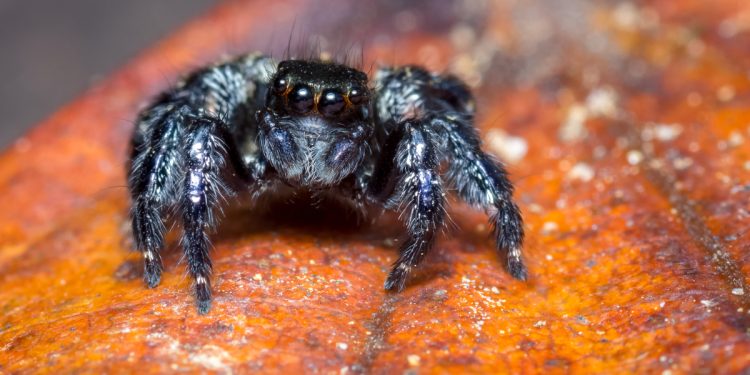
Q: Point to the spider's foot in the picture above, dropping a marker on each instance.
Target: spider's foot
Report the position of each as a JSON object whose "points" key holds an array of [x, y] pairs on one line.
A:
{"points": [[516, 268], [397, 278], [151, 270], [152, 277], [202, 294]]}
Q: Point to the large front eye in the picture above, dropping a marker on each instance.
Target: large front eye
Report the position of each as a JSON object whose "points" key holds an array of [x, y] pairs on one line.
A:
{"points": [[331, 102], [301, 99]]}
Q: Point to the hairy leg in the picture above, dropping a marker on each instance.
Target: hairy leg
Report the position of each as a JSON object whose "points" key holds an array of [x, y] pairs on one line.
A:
{"points": [[154, 174], [159, 161], [444, 106], [205, 151], [410, 153], [483, 182]]}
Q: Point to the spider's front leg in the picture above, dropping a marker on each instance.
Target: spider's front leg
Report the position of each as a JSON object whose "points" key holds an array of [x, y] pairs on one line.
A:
{"points": [[181, 146], [205, 150], [482, 182], [409, 160]]}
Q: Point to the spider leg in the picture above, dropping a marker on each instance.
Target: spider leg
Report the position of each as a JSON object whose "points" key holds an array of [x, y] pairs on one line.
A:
{"points": [[419, 194], [445, 107], [483, 182], [153, 181], [180, 148], [205, 151]]}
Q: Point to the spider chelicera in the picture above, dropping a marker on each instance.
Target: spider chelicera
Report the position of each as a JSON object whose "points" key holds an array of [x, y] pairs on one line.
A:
{"points": [[319, 127]]}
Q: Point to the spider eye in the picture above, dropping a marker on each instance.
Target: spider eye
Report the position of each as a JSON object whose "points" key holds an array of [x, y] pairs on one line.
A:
{"points": [[280, 84], [331, 102], [357, 95], [301, 99]]}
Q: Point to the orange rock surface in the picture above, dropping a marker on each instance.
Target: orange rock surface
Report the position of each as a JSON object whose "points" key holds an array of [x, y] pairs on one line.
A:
{"points": [[625, 127]]}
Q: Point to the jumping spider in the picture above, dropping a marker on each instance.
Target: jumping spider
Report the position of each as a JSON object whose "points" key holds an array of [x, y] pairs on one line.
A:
{"points": [[320, 127]]}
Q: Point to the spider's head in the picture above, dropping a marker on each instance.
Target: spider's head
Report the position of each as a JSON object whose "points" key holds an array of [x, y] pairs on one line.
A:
{"points": [[332, 92], [317, 121]]}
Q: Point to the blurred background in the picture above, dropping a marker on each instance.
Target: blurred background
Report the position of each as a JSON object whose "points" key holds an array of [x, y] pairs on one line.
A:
{"points": [[53, 50]]}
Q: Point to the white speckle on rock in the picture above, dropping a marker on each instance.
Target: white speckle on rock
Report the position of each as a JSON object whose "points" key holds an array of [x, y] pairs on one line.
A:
{"points": [[666, 132], [549, 227], [214, 358], [342, 346], [258, 277], [581, 171], [413, 360], [682, 163], [540, 323], [602, 102], [574, 126], [708, 303], [635, 157], [511, 149], [736, 139], [738, 291]]}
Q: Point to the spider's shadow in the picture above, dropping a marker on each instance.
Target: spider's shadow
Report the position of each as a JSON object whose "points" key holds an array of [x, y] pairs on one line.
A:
{"points": [[333, 219], [301, 214]]}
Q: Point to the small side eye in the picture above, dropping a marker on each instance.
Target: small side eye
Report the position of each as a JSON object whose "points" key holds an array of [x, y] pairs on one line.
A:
{"points": [[331, 103], [280, 84], [357, 95], [301, 99]]}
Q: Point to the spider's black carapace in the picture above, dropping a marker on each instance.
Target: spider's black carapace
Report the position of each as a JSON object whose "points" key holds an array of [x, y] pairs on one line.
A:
{"points": [[398, 142]]}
